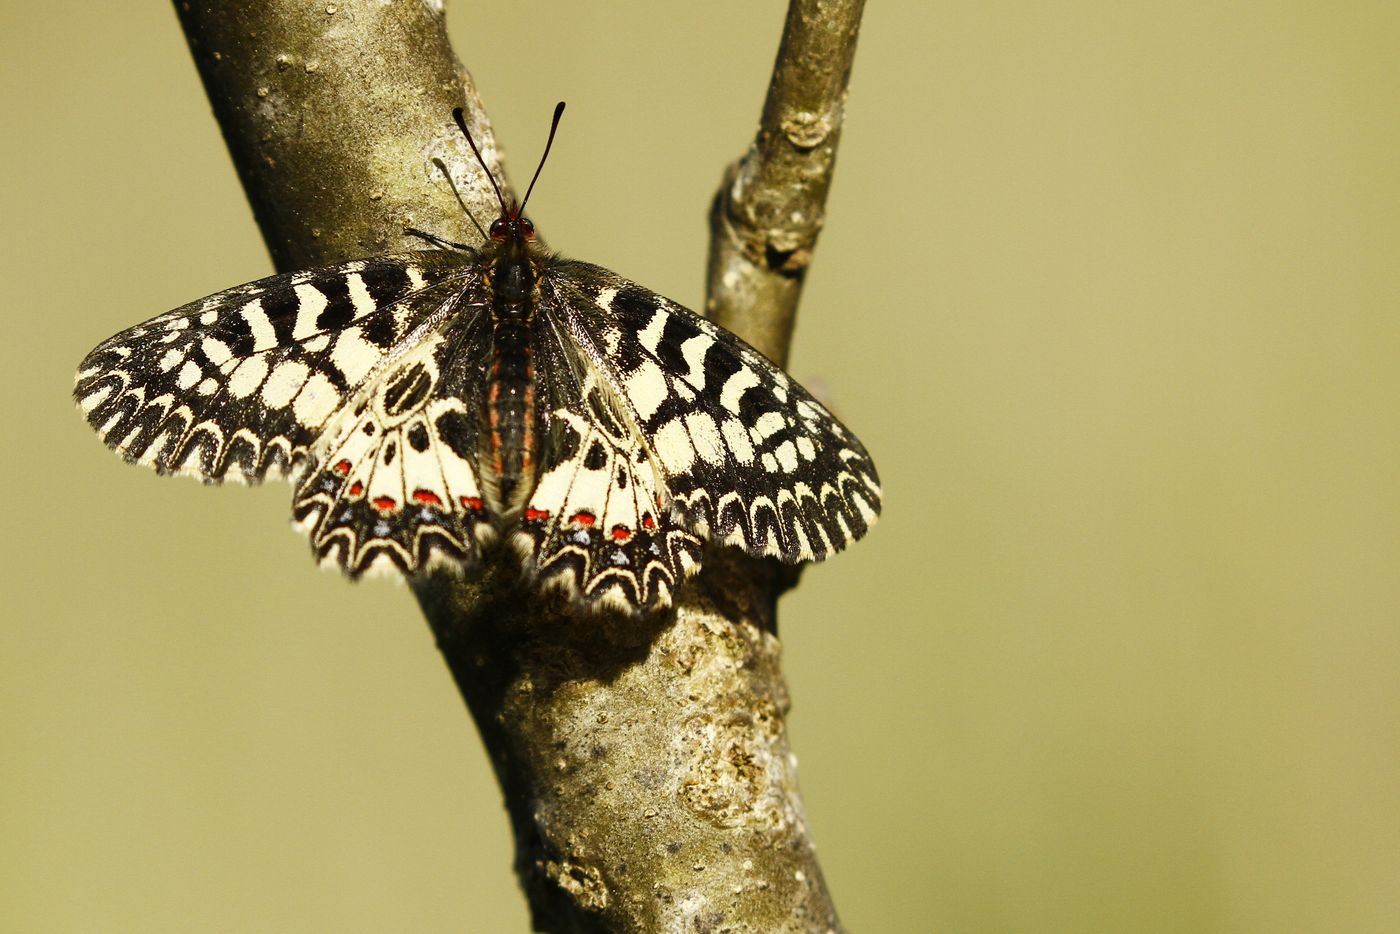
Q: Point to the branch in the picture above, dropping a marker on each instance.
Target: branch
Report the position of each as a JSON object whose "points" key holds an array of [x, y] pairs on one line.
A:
{"points": [[771, 204], [644, 763]]}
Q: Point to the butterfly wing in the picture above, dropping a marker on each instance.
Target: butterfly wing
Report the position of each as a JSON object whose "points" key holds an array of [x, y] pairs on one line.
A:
{"points": [[748, 457], [595, 523], [657, 428], [239, 384]]}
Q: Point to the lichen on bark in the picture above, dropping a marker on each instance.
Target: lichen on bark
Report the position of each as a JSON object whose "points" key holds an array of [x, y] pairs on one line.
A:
{"points": [[643, 761]]}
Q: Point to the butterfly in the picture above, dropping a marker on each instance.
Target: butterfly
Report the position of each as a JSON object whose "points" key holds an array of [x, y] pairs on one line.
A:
{"points": [[429, 404]]}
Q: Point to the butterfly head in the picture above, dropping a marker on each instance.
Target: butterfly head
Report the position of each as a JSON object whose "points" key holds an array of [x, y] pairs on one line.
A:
{"points": [[512, 226]]}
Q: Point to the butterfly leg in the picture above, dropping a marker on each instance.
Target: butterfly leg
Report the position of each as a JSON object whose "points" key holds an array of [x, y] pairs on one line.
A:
{"points": [[439, 241]]}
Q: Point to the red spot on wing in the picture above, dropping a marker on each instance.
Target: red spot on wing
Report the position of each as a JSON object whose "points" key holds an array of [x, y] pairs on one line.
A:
{"points": [[383, 503], [584, 518], [536, 515], [356, 488], [428, 497], [621, 533], [648, 522], [473, 503], [342, 468]]}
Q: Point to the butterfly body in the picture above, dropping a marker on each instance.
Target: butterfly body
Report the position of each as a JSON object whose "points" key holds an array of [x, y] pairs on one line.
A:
{"points": [[511, 273]]}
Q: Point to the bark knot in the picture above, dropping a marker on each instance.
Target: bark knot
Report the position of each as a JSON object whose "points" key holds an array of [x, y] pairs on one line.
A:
{"points": [[584, 883]]}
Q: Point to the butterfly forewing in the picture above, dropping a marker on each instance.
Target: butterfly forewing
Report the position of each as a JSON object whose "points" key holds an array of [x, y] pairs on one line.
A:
{"points": [[241, 383]]}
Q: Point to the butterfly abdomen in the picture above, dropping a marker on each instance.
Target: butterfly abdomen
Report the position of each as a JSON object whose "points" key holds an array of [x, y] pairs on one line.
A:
{"points": [[510, 413]]}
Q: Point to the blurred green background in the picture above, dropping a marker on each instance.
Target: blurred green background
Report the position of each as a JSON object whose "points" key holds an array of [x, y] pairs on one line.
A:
{"points": [[1112, 292]]}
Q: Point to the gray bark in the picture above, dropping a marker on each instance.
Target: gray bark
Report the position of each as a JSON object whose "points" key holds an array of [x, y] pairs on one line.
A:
{"points": [[644, 763]]}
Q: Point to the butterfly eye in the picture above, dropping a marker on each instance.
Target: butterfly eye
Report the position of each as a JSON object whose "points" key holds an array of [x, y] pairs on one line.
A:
{"points": [[527, 229], [500, 229]]}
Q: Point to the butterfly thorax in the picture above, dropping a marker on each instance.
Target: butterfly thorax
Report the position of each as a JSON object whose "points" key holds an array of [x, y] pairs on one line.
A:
{"points": [[509, 461], [512, 276]]}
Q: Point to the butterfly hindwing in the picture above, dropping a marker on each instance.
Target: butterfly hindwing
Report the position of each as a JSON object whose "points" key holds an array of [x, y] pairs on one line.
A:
{"points": [[394, 481], [749, 458], [240, 383], [598, 522]]}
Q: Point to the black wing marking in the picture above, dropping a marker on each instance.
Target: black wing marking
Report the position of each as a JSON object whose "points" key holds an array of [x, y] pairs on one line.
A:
{"points": [[245, 379], [750, 458]]}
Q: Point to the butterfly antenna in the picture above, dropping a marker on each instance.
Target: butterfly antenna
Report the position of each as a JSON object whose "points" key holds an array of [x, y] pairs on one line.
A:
{"points": [[553, 125], [442, 167], [462, 125]]}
